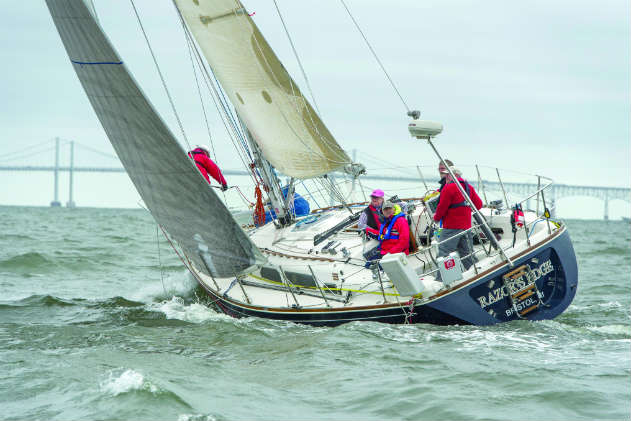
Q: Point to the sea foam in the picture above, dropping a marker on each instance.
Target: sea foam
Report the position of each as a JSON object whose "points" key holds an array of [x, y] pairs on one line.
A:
{"points": [[176, 308], [181, 284], [127, 381], [196, 417]]}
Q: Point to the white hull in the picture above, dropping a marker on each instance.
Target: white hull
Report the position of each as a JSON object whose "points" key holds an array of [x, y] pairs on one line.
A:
{"points": [[285, 287]]}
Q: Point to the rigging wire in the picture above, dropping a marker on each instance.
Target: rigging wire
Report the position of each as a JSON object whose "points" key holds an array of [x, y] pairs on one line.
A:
{"points": [[201, 101], [375, 55], [291, 42], [224, 112], [166, 89], [160, 261]]}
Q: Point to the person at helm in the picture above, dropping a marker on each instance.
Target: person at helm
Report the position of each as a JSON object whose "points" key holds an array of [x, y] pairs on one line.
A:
{"points": [[371, 218], [394, 234], [443, 173], [455, 214], [206, 166]]}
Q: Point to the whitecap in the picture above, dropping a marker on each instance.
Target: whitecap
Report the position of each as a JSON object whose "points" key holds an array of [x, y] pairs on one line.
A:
{"points": [[182, 284], [612, 329], [176, 308], [196, 417], [610, 304], [127, 381]]}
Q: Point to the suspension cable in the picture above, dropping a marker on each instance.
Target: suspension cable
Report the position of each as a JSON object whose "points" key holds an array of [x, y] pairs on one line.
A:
{"points": [[166, 89], [375, 55], [291, 42], [25, 149]]}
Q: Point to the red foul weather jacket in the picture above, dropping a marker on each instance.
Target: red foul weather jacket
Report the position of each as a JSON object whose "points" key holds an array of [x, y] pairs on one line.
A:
{"points": [[398, 239], [452, 208], [206, 166]]}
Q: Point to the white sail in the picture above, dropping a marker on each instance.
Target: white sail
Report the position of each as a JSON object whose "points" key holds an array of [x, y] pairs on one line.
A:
{"points": [[178, 197], [282, 122]]}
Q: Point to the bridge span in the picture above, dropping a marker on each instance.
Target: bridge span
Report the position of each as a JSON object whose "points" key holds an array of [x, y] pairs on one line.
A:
{"points": [[553, 193]]}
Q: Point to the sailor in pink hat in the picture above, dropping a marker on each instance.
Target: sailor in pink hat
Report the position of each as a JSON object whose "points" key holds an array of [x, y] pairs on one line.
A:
{"points": [[371, 218]]}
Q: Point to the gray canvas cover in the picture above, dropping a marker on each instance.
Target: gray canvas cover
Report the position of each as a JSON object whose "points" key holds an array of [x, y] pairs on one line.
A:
{"points": [[177, 195]]}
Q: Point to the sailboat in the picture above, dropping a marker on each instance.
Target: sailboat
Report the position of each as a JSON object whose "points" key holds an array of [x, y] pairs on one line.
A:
{"points": [[310, 269]]}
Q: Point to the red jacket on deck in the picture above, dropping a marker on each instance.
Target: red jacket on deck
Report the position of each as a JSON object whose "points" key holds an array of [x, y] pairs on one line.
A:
{"points": [[206, 166], [400, 228], [459, 217]]}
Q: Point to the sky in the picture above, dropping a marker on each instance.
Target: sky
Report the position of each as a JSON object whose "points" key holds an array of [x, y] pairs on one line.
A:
{"points": [[537, 87]]}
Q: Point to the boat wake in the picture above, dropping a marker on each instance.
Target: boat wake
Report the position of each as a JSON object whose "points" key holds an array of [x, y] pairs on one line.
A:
{"points": [[177, 308], [180, 284]]}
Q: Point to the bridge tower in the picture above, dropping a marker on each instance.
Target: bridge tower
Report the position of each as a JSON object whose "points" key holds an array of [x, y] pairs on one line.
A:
{"points": [[71, 203], [56, 203], [606, 217]]}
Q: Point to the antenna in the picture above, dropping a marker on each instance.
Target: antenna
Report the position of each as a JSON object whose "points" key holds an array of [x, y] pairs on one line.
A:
{"points": [[415, 114]]}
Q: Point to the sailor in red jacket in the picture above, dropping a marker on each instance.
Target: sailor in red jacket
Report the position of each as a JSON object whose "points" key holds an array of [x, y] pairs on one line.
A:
{"points": [[206, 166], [394, 234], [455, 213]]}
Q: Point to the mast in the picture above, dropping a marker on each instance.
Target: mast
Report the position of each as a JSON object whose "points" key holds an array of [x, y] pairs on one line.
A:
{"points": [[272, 184]]}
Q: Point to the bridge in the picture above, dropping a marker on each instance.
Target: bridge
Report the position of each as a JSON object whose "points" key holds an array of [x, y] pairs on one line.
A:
{"points": [[521, 189]]}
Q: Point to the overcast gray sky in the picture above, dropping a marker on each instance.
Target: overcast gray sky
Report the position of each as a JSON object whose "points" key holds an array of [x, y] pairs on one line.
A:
{"points": [[540, 87]]}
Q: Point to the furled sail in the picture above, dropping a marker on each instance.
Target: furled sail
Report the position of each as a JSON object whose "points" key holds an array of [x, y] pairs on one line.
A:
{"points": [[280, 119], [176, 194]]}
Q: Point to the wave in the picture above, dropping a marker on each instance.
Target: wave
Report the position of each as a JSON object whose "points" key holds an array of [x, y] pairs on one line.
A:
{"points": [[176, 308], [39, 301], [13, 237], [116, 302], [27, 261], [608, 251], [52, 301], [196, 417], [613, 330], [180, 284], [126, 381]]}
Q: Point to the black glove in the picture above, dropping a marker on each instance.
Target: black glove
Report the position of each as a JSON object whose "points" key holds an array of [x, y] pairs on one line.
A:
{"points": [[224, 187]]}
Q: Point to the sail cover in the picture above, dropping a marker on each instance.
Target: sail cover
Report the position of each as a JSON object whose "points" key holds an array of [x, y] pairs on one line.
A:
{"points": [[280, 119], [176, 194]]}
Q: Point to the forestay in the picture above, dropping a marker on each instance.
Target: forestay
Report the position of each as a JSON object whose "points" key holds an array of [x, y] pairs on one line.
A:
{"points": [[282, 122], [176, 194]]}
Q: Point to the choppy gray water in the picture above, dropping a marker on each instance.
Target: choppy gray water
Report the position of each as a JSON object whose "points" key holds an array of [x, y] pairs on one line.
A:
{"points": [[96, 324]]}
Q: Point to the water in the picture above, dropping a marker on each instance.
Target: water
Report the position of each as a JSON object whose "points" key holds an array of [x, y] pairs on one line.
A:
{"points": [[95, 323]]}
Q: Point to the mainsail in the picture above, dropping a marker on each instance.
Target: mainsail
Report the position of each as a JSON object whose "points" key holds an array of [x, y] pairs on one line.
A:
{"points": [[290, 134], [176, 194]]}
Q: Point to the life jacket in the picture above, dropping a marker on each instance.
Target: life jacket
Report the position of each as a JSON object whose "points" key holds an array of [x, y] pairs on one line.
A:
{"points": [[517, 218], [442, 182], [467, 188], [389, 233], [374, 219]]}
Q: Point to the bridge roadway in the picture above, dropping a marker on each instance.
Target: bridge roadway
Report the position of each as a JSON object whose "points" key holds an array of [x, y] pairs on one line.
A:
{"points": [[555, 192]]}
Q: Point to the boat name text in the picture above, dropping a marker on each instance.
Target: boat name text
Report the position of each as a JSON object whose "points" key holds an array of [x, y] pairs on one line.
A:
{"points": [[514, 285]]}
